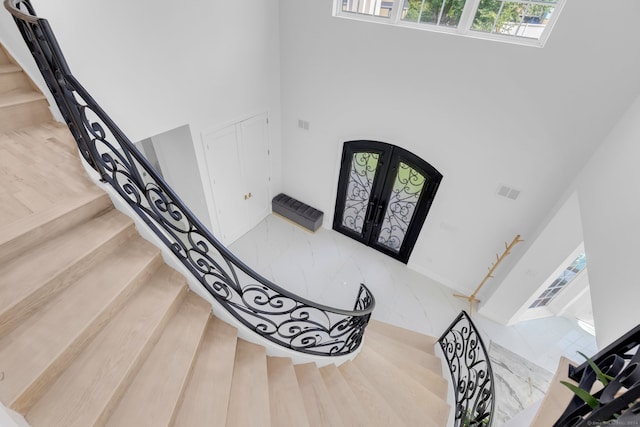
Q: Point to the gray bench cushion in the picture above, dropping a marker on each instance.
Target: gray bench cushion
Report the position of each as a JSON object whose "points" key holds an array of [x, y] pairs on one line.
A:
{"points": [[298, 212]]}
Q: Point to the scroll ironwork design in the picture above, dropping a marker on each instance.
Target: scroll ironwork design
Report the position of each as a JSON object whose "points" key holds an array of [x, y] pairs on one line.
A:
{"points": [[618, 401], [363, 171], [269, 310], [405, 194], [471, 373]]}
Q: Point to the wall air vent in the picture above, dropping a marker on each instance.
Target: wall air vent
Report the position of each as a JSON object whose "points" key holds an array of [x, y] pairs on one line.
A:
{"points": [[508, 192], [303, 124]]}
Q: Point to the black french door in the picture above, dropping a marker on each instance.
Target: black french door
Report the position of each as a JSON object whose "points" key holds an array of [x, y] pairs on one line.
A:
{"points": [[384, 195]]}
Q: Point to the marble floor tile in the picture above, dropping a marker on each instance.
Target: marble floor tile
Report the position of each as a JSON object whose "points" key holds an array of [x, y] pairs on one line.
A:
{"points": [[518, 383], [328, 267]]}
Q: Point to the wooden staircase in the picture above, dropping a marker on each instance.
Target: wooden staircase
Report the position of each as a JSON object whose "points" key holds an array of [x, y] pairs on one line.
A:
{"points": [[96, 330]]}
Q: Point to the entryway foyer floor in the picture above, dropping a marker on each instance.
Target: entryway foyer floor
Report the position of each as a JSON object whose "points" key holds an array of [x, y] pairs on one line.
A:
{"points": [[328, 267]]}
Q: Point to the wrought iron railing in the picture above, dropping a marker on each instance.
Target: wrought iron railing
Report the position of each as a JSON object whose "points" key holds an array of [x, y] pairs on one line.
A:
{"points": [[471, 373], [618, 401], [270, 311]]}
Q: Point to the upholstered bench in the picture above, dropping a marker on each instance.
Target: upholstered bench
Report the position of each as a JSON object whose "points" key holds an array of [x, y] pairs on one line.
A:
{"points": [[298, 212]]}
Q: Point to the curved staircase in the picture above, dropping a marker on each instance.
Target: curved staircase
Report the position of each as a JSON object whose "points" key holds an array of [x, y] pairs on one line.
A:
{"points": [[96, 330]]}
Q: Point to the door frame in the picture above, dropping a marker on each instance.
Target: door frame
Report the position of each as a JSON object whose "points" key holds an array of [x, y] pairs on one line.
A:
{"points": [[389, 159], [206, 174]]}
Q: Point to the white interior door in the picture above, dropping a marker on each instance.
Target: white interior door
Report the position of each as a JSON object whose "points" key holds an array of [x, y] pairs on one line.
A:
{"points": [[237, 160], [225, 172], [256, 167]]}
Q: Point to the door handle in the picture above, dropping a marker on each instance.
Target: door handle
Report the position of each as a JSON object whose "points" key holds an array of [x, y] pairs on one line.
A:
{"points": [[379, 211], [370, 212]]}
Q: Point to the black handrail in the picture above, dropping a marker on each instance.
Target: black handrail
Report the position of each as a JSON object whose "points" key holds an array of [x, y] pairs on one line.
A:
{"points": [[272, 312], [471, 372], [618, 402]]}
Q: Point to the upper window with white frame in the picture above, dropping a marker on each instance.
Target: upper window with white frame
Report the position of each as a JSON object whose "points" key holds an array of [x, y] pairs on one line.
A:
{"points": [[526, 22]]}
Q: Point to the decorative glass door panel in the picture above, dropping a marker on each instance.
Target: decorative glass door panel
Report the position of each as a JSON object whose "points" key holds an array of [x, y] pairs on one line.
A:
{"points": [[358, 194], [384, 195], [405, 194]]}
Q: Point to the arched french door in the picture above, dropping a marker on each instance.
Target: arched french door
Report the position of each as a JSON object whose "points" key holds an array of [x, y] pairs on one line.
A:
{"points": [[384, 195]]}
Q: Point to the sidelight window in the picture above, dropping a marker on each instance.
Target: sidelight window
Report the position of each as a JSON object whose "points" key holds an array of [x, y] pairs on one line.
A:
{"points": [[567, 275]]}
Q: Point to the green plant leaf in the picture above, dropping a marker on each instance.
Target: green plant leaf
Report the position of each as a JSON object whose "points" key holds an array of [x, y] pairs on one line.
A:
{"points": [[588, 399], [602, 377]]}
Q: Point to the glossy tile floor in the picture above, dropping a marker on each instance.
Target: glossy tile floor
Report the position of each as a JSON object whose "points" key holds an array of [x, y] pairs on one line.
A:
{"points": [[328, 267]]}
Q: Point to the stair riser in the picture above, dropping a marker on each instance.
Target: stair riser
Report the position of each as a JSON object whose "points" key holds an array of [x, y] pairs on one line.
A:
{"points": [[408, 337], [30, 395], [286, 403], [114, 399], [378, 408], [4, 59], [22, 115], [50, 228], [344, 399], [317, 400], [14, 314], [415, 404], [427, 369], [206, 398], [13, 80], [162, 379], [420, 357], [187, 377], [250, 384]]}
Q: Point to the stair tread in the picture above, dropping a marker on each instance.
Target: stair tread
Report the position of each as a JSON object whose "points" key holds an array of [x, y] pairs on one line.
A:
{"points": [[26, 232], [412, 338], [86, 391], [286, 404], [415, 404], [12, 78], [429, 376], [43, 344], [19, 96], [40, 164], [59, 261], [317, 401], [407, 352], [349, 407], [249, 385], [154, 393], [22, 108], [380, 412], [206, 397]]}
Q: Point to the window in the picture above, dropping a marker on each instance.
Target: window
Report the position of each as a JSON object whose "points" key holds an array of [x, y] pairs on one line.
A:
{"points": [[567, 275], [526, 22]]}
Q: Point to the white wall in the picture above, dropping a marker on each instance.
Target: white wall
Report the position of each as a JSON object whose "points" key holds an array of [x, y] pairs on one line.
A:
{"points": [[177, 158], [543, 258], [603, 211], [483, 113], [610, 207], [158, 65], [10, 418]]}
